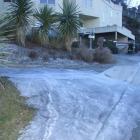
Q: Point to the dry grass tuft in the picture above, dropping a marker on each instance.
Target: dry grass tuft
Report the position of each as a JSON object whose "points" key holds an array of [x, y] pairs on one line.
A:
{"points": [[14, 114]]}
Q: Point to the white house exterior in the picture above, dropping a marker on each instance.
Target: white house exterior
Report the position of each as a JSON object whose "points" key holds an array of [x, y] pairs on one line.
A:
{"points": [[101, 17]]}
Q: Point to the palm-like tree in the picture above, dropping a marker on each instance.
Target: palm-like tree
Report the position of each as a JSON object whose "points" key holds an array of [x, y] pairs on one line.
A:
{"points": [[46, 18], [69, 22], [18, 20], [7, 30]]}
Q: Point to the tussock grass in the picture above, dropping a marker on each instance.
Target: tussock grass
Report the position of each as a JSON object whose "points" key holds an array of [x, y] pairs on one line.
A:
{"points": [[14, 114]]}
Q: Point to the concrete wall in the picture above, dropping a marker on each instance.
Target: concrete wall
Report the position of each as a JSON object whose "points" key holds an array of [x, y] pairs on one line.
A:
{"points": [[87, 9], [102, 12], [108, 13], [90, 23]]}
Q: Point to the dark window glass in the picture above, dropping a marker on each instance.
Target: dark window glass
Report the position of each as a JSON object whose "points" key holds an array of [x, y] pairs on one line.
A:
{"points": [[7, 0], [43, 1], [51, 1], [48, 1]]}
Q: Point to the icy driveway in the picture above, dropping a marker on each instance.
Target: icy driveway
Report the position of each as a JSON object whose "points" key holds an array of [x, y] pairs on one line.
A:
{"points": [[77, 105]]}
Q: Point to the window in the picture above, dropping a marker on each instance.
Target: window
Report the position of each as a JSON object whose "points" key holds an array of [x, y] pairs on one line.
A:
{"points": [[51, 1], [43, 1], [47, 1], [7, 0]]}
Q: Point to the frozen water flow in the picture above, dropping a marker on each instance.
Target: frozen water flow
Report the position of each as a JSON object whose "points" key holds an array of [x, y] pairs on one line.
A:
{"points": [[77, 105]]}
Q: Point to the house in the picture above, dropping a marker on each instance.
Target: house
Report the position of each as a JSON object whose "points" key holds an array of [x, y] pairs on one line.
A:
{"points": [[99, 17]]}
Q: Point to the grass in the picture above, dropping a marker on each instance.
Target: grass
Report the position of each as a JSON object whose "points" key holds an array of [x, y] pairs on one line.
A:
{"points": [[14, 114]]}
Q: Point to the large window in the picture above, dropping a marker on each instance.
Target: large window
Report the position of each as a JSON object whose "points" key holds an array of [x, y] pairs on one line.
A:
{"points": [[47, 1]]}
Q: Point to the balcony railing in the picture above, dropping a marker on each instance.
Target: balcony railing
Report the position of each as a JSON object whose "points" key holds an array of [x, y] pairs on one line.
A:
{"points": [[108, 29]]}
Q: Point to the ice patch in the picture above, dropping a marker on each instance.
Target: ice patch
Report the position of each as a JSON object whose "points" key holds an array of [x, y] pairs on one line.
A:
{"points": [[78, 105]]}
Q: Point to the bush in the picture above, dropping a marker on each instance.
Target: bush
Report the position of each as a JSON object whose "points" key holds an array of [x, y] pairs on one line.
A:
{"points": [[33, 55], [103, 55], [33, 37], [75, 44], [57, 42], [87, 55], [111, 45], [45, 56], [84, 54]]}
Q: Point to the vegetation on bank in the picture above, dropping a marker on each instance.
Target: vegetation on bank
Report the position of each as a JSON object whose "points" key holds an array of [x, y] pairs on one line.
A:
{"points": [[21, 17], [23, 24], [14, 113]]}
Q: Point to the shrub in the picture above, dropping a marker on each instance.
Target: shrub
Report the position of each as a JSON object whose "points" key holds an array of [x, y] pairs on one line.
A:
{"points": [[45, 56], [57, 43], [33, 36], [84, 54], [103, 55], [87, 55], [111, 45], [75, 44], [33, 55]]}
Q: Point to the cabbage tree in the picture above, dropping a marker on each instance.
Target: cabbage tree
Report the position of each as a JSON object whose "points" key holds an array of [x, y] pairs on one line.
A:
{"points": [[17, 20], [69, 22], [46, 17]]}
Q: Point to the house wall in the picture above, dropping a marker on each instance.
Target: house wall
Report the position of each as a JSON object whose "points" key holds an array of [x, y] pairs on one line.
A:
{"points": [[109, 14], [90, 23], [87, 10], [3, 7], [102, 12]]}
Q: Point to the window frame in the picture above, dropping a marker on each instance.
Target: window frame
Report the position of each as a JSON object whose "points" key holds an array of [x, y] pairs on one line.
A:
{"points": [[47, 2], [7, 0]]}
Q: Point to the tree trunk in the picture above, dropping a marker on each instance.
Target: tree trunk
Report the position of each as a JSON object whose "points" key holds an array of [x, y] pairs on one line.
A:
{"points": [[68, 43], [1, 86]]}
